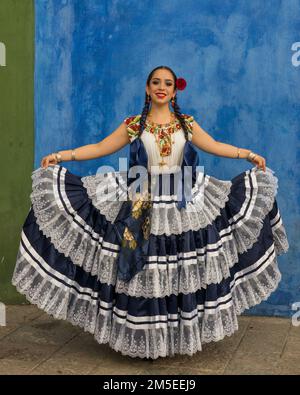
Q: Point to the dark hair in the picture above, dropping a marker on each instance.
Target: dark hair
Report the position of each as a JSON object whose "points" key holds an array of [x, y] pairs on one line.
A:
{"points": [[177, 110]]}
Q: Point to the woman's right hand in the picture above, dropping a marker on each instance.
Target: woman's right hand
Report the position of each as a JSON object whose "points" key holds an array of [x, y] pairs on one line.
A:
{"points": [[49, 160]]}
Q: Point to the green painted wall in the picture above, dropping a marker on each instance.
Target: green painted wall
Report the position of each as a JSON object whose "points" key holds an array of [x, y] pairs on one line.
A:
{"points": [[16, 133]]}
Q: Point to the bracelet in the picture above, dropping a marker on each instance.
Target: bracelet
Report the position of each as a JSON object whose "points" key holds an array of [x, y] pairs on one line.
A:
{"points": [[73, 155], [251, 156], [57, 157], [238, 154]]}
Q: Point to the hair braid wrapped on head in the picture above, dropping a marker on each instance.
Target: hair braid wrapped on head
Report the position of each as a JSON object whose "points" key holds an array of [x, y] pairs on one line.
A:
{"points": [[146, 108]]}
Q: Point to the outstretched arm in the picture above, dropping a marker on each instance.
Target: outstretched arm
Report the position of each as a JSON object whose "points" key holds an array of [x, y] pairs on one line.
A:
{"points": [[208, 144], [110, 144]]}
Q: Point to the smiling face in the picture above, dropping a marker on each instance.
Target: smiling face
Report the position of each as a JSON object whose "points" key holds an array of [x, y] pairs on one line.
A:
{"points": [[161, 82]]}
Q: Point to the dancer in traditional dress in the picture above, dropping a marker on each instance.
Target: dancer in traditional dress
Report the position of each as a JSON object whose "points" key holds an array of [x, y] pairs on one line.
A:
{"points": [[152, 271]]}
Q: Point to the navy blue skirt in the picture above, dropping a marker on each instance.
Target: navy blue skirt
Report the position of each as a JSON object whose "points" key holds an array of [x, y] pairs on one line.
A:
{"points": [[204, 264]]}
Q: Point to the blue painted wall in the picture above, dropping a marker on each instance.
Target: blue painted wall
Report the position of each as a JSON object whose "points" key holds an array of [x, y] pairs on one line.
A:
{"points": [[93, 58]]}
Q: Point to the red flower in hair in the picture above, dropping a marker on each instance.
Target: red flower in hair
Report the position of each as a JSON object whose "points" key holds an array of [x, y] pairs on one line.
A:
{"points": [[181, 84]]}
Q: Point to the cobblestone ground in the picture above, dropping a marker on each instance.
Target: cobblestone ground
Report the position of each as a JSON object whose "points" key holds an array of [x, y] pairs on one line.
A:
{"points": [[34, 343]]}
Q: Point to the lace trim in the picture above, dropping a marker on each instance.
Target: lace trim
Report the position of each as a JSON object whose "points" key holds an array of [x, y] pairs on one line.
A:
{"points": [[95, 316], [85, 247], [186, 277], [209, 197], [279, 233], [206, 206], [106, 202], [207, 201]]}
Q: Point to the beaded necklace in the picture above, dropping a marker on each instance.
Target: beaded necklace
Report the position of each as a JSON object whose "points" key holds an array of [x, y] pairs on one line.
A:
{"points": [[163, 134]]}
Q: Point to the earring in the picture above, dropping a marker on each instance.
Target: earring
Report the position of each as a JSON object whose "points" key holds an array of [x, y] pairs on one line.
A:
{"points": [[173, 102], [148, 98]]}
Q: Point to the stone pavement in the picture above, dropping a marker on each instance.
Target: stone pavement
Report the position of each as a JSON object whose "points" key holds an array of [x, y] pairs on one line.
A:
{"points": [[35, 343]]}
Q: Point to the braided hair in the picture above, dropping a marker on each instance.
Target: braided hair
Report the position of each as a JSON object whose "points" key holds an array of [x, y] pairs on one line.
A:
{"points": [[177, 111]]}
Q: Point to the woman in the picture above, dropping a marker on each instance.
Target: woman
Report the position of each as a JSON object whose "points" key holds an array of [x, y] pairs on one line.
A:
{"points": [[153, 273]]}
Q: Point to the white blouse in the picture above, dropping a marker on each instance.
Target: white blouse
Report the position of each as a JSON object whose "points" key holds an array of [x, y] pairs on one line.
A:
{"points": [[174, 160]]}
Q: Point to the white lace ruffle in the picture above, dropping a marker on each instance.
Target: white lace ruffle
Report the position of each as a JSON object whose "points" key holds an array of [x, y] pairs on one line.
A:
{"points": [[186, 277], [279, 234], [183, 336], [81, 244], [187, 339], [106, 202], [209, 197]]}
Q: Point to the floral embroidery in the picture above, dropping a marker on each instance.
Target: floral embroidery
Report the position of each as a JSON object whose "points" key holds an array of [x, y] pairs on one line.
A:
{"points": [[137, 208], [142, 202], [133, 125], [189, 119], [128, 239], [146, 228], [139, 205]]}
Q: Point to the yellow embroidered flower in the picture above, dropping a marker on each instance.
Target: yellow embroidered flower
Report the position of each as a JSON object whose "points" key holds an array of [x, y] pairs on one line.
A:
{"points": [[128, 239], [147, 204], [146, 228], [137, 205], [132, 244], [136, 214], [127, 234], [142, 202]]}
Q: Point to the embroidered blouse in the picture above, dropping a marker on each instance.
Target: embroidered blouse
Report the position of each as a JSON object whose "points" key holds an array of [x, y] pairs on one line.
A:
{"points": [[149, 141]]}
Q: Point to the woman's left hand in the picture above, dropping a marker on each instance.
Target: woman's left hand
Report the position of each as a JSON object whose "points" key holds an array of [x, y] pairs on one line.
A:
{"points": [[260, 162]]}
